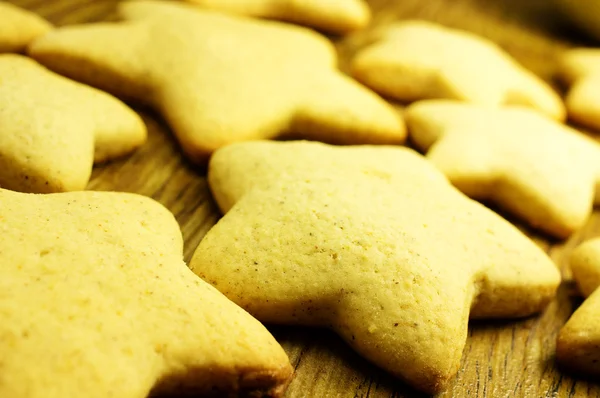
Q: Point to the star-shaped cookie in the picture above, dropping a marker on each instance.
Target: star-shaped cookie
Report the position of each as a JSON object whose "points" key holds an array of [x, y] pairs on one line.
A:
{"points": [[96, 301], [580, 69], [54, 129], [219, 79], [372, 242], [578, 344], [416, 60], [335, 16], [19, 27], [538, 169]]}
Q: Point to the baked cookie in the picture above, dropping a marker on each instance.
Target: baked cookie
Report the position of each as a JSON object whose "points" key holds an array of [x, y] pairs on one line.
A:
{"points": [[580, 69], [219, 79], [335, 16], [19, 27], [418, 60], [96, 301], [372, 242], [542, 171], [578, 345], [54, 129]]}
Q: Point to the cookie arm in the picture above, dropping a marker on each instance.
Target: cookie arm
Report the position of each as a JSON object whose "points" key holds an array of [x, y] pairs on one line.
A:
{"points": [[518, 278], [516, 289], [473, 170], [426, 121], [104, 55], [582, 101], [339, 110], [45, 145], [585, 265], [578, 344], [382, 67], [416, 335], [221, 348], [19, 27], [529, 90], [119, 130], [576, 63]]}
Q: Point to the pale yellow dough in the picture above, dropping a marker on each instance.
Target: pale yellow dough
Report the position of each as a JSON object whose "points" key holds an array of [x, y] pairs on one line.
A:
{"points": [[372, 242], [96, 302]]}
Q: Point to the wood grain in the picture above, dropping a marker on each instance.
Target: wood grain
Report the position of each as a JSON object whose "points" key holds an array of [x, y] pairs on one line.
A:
{"points": [[501, 359]]}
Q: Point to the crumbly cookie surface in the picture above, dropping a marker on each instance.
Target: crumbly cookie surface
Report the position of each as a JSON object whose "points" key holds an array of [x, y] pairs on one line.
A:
{"points": [[96, 301], [372, 242]]}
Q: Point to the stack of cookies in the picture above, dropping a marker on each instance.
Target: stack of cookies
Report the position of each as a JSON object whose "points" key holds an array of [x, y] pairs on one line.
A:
{"points": [[329, 220]]}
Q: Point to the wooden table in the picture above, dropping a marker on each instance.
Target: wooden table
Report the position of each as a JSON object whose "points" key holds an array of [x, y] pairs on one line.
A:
{"points": [[501, 359]]}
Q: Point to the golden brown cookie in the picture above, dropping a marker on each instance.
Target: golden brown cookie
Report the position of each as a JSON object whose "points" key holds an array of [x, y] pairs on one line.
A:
{"points": [[219, 79], [53, 129], [416, 60], [533, 167], [96, 302], [372, 242], [578, 345], [18, 27], [335, 16]]}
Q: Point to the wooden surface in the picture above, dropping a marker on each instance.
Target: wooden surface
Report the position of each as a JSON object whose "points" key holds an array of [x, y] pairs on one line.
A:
{"points": [[501, 359]]}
